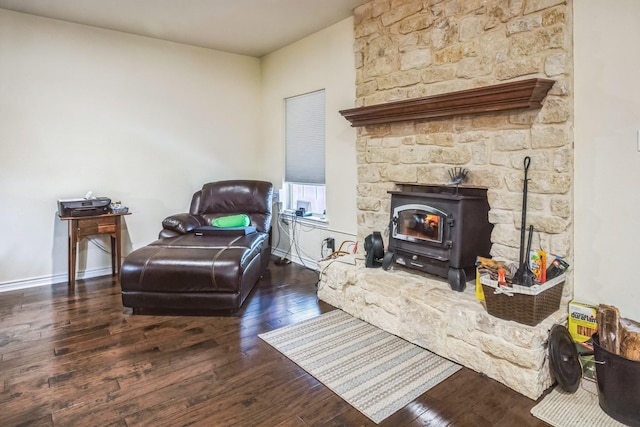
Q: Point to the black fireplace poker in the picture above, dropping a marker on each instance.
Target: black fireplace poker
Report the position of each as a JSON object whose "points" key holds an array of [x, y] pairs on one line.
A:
{"points": [[524, 276]]}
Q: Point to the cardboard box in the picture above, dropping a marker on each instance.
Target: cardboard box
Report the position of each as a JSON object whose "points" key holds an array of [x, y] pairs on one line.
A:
{"points": [[582, 321]]}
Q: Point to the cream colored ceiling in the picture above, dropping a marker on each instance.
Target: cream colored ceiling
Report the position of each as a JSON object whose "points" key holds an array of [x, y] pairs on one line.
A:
{"points": [[247, 27]]}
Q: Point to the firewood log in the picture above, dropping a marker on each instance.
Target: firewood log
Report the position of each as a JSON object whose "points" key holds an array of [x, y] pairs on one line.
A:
{"points": [[630, 339], [608, 318]]}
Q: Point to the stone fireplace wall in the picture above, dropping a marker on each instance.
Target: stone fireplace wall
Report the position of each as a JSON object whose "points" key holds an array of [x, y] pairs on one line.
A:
{"points": [[414, 48]]}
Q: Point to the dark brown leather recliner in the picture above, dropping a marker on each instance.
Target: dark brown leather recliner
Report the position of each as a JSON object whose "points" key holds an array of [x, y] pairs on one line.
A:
{"points": [[187, 270]]}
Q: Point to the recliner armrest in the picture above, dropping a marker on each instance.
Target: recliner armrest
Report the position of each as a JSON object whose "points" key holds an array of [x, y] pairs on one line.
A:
{"points": [[181, 223]]}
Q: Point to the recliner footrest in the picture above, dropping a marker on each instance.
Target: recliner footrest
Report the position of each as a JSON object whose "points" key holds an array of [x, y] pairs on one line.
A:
{"points": [[221, 270]]}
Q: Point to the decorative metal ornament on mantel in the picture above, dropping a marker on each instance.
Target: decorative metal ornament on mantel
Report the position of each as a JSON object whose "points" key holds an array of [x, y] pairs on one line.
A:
{"points": [[458, 175]]}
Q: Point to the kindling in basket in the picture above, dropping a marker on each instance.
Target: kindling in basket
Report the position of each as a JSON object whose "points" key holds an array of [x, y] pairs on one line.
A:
{"points": [[522, 304]]}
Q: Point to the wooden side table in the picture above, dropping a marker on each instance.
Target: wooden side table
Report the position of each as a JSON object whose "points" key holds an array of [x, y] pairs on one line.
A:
{"points": [[85, 226]]}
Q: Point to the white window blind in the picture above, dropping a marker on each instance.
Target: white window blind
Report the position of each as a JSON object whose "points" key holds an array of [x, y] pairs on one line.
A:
{"points": [[305, 135]]}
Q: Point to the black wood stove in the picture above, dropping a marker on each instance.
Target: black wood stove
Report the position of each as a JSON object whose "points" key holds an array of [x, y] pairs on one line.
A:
{"points": [[440, 230]]}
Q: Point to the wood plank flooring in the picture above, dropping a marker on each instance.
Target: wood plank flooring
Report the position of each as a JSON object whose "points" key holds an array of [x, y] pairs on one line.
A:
{"points": [[78, 358]]}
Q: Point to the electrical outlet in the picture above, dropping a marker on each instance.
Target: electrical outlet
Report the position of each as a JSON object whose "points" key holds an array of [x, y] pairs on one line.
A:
{"points": [[331, 244], [277, 196]]}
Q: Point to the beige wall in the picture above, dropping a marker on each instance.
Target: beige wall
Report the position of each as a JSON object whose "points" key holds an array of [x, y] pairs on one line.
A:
{"points": [[139, 120], [607, 158], [147, 122], [323, 60]]}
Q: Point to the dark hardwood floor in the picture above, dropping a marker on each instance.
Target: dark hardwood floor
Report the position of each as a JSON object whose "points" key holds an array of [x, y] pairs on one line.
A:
{"points": [[78, 358]]}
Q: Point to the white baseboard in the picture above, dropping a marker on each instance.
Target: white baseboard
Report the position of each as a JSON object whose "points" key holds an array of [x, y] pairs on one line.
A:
{"points": [[303, 261], [33, 282]]}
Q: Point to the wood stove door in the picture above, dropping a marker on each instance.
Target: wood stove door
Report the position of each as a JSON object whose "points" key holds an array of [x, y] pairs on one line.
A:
{"points": [[419, 223]]}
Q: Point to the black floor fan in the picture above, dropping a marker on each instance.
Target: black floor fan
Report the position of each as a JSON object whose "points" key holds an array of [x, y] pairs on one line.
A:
{"points": [[374, 248]]}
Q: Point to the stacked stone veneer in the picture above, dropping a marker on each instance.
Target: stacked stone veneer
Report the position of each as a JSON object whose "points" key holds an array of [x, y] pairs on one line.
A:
{"points": [[414, 48], [408, 48], [423, 310]]}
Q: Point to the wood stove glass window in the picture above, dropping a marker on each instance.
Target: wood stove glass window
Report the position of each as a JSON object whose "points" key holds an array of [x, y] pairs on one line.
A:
{"points": [[416, 223]]}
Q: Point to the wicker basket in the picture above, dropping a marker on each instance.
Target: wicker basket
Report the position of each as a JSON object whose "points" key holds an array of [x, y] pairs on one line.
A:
{"points": [[526, 305]]}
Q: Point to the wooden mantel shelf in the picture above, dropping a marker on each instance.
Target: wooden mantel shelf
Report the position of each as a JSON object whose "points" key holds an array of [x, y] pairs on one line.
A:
{"points": [[519, 95]]}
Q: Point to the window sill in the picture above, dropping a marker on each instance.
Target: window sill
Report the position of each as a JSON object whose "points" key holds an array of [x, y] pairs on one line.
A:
{"points": [[317, 221]]}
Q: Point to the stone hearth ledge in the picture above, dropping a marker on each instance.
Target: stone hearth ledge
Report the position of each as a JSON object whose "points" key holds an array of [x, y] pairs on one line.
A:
{"points": [[422, 309]]}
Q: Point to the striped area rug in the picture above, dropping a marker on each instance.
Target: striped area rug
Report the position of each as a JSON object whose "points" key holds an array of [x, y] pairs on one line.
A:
{"points": [[375, 372], [579, 409]]}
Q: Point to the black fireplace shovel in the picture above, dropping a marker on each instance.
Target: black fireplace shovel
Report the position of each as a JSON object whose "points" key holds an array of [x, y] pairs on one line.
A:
{"points": [[525, 276]]}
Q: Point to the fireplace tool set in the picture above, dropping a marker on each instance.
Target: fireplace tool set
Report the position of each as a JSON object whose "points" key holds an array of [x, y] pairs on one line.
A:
{"points": [[524, 276]]}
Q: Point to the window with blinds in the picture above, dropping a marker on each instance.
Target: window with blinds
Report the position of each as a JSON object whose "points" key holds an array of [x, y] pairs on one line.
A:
{"points": [[305, 152]]}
